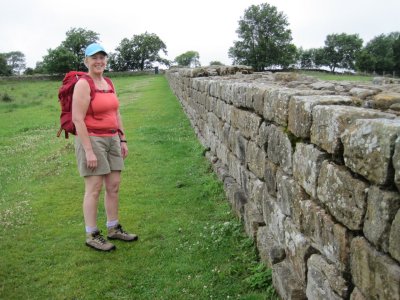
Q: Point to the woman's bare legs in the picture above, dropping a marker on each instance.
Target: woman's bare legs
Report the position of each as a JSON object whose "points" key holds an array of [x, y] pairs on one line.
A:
{"points": [[93, 186], [112, 182]]}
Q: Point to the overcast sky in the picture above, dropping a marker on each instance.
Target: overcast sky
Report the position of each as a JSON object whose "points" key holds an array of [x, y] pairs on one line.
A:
{"points": [[206, 26]]}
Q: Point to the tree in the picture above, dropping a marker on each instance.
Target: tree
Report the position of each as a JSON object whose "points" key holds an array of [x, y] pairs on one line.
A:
{"points": [[396, 55], [39, 68], [29, 71], [380, 54], [216, 63], [5, 69], [138, 53], [16, 61], [340, 50], [188, 59], [264, 40], [70, 54], [307, 58], [59, 60], [365, 61], [76, 42], [124, 57]]}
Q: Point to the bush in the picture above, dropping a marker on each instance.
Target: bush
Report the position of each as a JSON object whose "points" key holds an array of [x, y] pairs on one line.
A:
{"points": [[6, 98]]}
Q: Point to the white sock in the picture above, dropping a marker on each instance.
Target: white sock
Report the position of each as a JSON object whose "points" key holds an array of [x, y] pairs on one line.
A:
{"points": [[90, 229], [112, 223]]}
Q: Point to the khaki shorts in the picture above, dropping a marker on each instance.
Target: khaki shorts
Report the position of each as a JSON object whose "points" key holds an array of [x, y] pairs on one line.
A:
{"points": [[108, 152]]}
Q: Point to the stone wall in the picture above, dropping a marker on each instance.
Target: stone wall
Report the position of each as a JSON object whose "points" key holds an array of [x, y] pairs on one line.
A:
{"points": [[313, 170]]}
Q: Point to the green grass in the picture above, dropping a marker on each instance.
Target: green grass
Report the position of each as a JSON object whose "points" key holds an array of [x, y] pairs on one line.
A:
{"points": [[338, 77], [191, 246]]}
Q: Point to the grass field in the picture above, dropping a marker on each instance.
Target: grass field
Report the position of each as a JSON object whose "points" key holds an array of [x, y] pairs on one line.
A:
{"points": [[191, 246], [337, 77]]}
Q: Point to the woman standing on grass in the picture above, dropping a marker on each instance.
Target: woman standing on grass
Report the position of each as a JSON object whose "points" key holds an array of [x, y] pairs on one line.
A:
{"points": [[100, 148]]}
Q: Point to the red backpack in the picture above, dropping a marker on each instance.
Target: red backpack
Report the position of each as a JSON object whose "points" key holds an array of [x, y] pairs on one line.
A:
{"points": [[65, 98]]}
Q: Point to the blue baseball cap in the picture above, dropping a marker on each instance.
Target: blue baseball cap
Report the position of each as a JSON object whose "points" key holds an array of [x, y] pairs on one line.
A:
{"points": [[94, 48]]}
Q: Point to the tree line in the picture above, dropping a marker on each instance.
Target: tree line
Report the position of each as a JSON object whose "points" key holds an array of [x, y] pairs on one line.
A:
{"points": [[264, 42]]}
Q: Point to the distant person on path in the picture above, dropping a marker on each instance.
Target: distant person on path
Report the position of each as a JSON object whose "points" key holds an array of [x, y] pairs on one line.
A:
{"points": [[100, 147]]}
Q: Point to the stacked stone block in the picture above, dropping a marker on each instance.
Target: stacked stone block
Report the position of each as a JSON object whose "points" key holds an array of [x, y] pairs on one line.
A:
{"points": [[313, 170]]}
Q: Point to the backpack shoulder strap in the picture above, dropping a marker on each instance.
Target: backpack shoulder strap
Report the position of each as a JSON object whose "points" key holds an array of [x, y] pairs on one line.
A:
{"points": [[110, 83], [91, 85]]}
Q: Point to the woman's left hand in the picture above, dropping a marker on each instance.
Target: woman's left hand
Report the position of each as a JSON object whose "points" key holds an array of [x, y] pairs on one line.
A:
{"points": [[124, 150]]}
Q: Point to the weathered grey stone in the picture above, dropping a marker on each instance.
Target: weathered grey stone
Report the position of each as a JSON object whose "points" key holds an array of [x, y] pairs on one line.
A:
{"points": [[328, 237], [298, 250], [270, 177], [307, 161], [238, 202], [211, 104], [234, 167], [396, 163], [222, 153], [357, 295], [385, 100], [220, 170], [258, 98], [225, 134], [247, 178], [286, 283], [215, 88], [230, 187], [227, 92], [274, 220], [213, 121], [322, 85], [286, 76], [219, 130], [344, 196], [281, 152], [226, 112], [213, 142], [276, 104], [379, 80], [262, 137], [300, 111], [251, 90], [362, 93], [218, 108], [324, 281], [289, 191], [255, 159], [394, 239], [247, 122], [381, 210], [375, 274], [238, 145], [239, 94], [257, 193], [368, 148], [330, 121], [253, 219], [270, 252], [395, 107]]}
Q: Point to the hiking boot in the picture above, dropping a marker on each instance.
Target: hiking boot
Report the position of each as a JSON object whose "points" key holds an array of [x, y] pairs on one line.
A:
{"points": [[117, 233], [98, 242]]}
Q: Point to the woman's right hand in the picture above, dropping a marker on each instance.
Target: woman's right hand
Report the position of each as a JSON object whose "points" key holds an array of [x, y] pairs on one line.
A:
{"points": [[91, 160]]}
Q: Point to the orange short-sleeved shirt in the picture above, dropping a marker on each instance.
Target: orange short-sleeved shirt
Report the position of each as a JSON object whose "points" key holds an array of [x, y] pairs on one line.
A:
{"points": [[102, 113]]}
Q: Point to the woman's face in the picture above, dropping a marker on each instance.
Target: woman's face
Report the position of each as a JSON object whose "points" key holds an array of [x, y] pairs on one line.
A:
{"points": [[97, 62]]}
